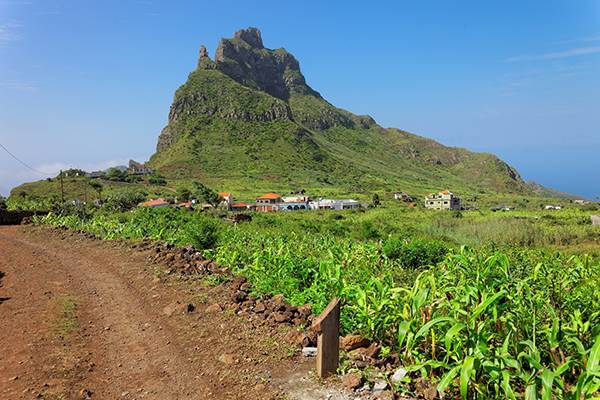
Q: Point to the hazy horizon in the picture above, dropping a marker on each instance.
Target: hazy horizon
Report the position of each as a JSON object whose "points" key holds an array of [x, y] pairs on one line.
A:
{"points": [[89, 85]]}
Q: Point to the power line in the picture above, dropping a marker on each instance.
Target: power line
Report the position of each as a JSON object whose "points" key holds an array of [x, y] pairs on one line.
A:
{"points": [[23, 162]]}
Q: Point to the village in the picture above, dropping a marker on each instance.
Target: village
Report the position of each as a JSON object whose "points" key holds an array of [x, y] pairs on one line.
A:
{"points": [[298, 200]]}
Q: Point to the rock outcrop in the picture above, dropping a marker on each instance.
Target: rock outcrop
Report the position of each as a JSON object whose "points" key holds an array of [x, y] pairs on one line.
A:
{"points": [[245, 59]]}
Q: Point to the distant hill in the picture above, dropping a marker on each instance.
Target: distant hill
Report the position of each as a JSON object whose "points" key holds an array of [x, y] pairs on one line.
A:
{"points": [[249, 115]]}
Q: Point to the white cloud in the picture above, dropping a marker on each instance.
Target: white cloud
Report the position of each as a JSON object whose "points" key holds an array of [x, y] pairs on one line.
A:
{"points": [[9, 32], [20, 86], [579, 51]]}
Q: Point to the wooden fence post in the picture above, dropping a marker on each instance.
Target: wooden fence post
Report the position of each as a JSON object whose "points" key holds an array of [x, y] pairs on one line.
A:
{"points": [[327, 326]]}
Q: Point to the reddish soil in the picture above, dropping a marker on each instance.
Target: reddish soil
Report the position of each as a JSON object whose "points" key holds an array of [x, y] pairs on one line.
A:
{"points": [[83, 318]]}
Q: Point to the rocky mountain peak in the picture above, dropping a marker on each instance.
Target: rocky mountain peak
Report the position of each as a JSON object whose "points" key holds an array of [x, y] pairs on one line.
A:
{"points": [[203, 52], [246, 60], [250, 36], [204, 61]]}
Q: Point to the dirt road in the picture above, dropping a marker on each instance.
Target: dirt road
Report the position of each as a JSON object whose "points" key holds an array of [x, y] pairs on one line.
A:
{"points": [[83, 318]]}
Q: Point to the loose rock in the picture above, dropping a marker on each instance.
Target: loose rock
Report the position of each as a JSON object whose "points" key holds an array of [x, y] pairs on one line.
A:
{"points": [[352, 342], [352, 380]]}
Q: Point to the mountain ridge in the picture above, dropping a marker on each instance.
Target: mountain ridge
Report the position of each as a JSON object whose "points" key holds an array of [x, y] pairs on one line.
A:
{"points": [[249, 88]]}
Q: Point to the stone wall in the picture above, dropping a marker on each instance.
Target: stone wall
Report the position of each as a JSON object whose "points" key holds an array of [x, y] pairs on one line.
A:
{"points": [[595, 219]]}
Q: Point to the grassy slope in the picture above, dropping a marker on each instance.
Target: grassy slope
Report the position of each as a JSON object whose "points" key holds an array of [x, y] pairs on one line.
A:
{"points": [[220, 137]]}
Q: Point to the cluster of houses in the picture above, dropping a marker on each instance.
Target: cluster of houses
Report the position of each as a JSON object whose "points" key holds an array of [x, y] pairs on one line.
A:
{"points": [[269, 202], [134, 168], [273, 202]]}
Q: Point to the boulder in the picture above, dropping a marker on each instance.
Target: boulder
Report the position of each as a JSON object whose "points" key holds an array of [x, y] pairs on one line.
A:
{"points": [[352, 380], [213, 308], [352, 342]]}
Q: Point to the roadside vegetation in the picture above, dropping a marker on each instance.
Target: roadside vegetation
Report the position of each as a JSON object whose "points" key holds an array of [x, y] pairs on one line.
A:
{"points": [[495, 305]]}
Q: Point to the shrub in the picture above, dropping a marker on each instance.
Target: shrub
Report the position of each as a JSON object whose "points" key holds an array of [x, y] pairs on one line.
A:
{"points": [[392, 247], [368, 231], [420, 252], [123, 201], [158, 180], [203, 232]]}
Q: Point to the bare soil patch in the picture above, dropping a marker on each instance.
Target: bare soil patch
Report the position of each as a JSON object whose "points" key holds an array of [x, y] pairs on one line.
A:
{"points": [[84, 318]]}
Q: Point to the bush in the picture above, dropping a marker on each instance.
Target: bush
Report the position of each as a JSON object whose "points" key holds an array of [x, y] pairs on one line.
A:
{"points": [[421, 252], [158, 180], [123, 201], [392, 247], [416, 253], [368, 231], [203, 232]]}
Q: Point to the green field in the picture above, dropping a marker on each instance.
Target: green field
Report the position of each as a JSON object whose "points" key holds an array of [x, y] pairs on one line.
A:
{"points": [[494, 305]]}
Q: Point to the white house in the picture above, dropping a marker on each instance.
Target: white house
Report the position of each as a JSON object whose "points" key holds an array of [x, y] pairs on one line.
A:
{"points": [[552, 207], [444, 200], [328, 204]]}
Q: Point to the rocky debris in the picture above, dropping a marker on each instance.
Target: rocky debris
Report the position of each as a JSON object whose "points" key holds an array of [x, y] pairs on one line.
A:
{"points": [[384, 395], [178, 308], [353, 342], [399, 375], [352, 380], [426, 389], [186, 260], [266, 310], [85, 393], [214, 308], [228, 359], [366, 353], [237, 282], [309, 351], [379, 386]]}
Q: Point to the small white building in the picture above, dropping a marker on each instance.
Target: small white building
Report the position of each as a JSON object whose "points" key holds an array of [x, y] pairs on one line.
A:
{"points": [[329, 204], [552, 207], [295, 199]]}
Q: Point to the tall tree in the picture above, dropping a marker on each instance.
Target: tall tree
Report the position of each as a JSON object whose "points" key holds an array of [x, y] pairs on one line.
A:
{"points": [[206, 194]]}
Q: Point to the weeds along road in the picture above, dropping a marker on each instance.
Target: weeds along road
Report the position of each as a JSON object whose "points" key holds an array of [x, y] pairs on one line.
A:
{"points": [[82, 318]]}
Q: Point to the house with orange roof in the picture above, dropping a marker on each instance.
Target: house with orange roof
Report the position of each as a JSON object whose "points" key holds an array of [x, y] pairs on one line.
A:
{"points": [[155, 203], [444, 200], [227, 200], [268, 202], [242, 207]]}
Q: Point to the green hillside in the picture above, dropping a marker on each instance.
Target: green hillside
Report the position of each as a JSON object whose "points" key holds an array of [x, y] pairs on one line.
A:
{"points": [[249, 118]]}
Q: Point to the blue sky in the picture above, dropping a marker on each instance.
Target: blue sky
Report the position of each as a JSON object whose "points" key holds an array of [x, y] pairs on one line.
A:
{"points": [[89, 83]]}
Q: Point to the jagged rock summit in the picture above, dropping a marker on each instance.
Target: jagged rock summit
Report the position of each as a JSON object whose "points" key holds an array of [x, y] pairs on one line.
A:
{"points": [[245, 59], [250, 115]]}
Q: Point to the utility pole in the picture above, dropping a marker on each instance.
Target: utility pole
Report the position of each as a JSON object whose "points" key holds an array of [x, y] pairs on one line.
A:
{"points": [[62, 188], [85, 185]]}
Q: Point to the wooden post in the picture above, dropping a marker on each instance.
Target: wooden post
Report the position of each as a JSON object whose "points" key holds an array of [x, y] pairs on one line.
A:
{"points": [[327, 326]]}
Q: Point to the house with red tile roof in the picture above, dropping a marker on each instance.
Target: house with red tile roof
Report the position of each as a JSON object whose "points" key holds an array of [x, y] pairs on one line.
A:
{"points": [[155, 203]]}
